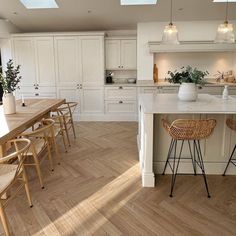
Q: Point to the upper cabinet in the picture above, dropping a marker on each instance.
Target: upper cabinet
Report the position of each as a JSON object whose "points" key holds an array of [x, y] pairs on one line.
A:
{"points": [[121, 54], [67, 60], [35, 55], [79, 60], [92, 60], [24, 55]]}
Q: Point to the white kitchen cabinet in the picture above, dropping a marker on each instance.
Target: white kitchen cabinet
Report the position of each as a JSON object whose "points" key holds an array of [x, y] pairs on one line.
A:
{"points": [[92, 100], [45, 61], [121, 102], [121, 107], [213, 90], [92, 60], [121, 54], [67, 60], [120, 93], [35, 55], [152, 90], [24, 55]]}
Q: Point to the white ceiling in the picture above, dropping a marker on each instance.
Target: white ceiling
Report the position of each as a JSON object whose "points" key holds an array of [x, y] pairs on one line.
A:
{"points": [[74, 15]]}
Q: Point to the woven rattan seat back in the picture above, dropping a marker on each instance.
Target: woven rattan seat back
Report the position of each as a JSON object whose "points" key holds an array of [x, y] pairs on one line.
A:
{"points": [[231, 124], [188, 129]]}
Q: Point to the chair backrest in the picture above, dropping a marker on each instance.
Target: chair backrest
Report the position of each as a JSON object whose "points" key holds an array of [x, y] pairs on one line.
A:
{"points": [[69, 107], [19, 147], [231, 124], [44, 129], [189, 129]]}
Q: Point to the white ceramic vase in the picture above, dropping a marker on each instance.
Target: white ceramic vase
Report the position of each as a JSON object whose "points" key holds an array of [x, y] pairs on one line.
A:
{"points": [[9, 103], [188, 92]]}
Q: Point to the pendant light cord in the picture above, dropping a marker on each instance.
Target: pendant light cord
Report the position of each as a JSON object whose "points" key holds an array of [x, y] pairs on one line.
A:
{"points": [[226, 12], [171, 12]]}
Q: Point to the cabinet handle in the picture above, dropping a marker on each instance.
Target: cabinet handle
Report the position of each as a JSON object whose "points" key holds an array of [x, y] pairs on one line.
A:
{"points": [[120, 87], [34, 85], [36, 88], [120, 102], [36, 94]]}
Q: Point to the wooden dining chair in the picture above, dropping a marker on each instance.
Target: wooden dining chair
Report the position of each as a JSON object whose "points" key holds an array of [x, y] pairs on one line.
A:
{"points": [[59, 128], [12, 173], [42, 139], [67, 110]]}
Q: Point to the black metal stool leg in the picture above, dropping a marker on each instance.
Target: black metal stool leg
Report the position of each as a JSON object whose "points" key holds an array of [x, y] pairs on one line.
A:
{"points": [[168, 155], [201, 163], [175, 170], [192, 157], [230, 159]]}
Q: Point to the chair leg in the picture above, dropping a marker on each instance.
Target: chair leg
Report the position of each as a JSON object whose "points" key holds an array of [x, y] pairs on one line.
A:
{"points": [[54, 144], [199, 155], [73, 127], [168, 155], [50, 155], [26, 183], [230, 159], [175, 169], [38, 170], [67, 135], [64, 140], [4, 220]]}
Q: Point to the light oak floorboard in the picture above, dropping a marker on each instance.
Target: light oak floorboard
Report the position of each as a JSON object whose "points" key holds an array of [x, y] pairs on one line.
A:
{"points": [[97, 191]]}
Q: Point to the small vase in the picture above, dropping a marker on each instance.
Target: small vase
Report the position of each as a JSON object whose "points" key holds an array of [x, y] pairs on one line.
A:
{"points": [[9, 103], [188, 92]]}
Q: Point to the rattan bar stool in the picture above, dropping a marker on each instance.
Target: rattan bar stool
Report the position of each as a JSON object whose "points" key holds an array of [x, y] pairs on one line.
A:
{"points": [[232, 125], [190, 131]]}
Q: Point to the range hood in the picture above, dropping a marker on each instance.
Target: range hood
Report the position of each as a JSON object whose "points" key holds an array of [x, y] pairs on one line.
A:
{"points": [[191, 46]]}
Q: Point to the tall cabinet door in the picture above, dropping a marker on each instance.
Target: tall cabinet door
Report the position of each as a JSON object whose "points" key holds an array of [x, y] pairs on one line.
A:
{"points": [[113, 54], [67, 61], [129, 54], [92, 60], [25, 57], [45, 69]]}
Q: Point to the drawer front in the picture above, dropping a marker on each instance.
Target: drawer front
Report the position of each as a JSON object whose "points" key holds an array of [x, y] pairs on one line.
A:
{"points": [[37, 95], [127, 107], [37, 89], [152, 90], [232, 90], [120, 93], [170, 89]]}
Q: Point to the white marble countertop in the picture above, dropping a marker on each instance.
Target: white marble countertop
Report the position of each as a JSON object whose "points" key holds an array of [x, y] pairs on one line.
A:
{"points": [[170, 104], [161, 83]]}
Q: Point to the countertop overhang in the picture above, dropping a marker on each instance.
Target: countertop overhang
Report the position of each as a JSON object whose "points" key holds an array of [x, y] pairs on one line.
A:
{"points": [[170, 104]]}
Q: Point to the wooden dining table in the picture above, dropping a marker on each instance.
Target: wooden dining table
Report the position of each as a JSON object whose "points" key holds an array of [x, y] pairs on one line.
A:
{"points": [[34, 110]]}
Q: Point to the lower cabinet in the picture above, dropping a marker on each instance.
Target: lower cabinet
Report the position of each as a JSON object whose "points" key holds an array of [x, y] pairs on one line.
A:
{"points": [[121, 103], [90, 101]]}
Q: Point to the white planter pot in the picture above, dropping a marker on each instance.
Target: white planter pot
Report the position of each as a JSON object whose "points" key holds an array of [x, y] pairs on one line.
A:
{"points": [[188, 92], [9, 103]]}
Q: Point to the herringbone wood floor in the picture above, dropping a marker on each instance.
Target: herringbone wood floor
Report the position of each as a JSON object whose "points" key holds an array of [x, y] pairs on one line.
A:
{"points": [[97, 191]]}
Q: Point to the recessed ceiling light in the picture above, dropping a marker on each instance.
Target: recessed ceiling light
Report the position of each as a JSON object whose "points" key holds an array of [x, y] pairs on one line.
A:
{"points": [[224, 0], [138, 2], [39, 4]]}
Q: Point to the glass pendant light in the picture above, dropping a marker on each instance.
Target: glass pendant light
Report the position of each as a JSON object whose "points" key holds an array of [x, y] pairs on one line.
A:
{"points": [[225, 31], [170, 34]]}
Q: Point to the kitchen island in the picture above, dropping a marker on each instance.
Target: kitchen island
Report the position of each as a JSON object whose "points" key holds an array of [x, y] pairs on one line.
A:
{"points": [[153, 141]]}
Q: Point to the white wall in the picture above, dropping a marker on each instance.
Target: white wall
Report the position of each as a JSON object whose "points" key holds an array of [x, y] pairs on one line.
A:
{"points": [[152, 31]]}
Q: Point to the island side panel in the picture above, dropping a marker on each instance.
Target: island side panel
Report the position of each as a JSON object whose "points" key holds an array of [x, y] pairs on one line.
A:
{"points": [[215, 150]]}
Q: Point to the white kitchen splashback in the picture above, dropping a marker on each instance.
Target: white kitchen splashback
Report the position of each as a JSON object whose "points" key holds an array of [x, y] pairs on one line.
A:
{"points": [[212, 62]]}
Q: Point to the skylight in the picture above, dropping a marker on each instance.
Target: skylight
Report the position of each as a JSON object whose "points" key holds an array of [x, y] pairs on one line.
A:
{"points": [[224, 0], [39, 4], [138, 2]]}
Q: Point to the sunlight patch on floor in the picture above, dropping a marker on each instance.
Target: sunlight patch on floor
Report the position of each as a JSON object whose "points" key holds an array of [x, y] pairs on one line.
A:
{"points": [[87, 217]]}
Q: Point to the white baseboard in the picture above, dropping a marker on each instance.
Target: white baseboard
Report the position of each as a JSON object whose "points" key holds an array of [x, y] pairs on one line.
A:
{"points": [[148, 180], [211, 168]]}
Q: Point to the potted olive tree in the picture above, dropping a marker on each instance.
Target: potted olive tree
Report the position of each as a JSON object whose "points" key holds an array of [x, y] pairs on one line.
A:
{"points": [[189, 79], [9, 81]]}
